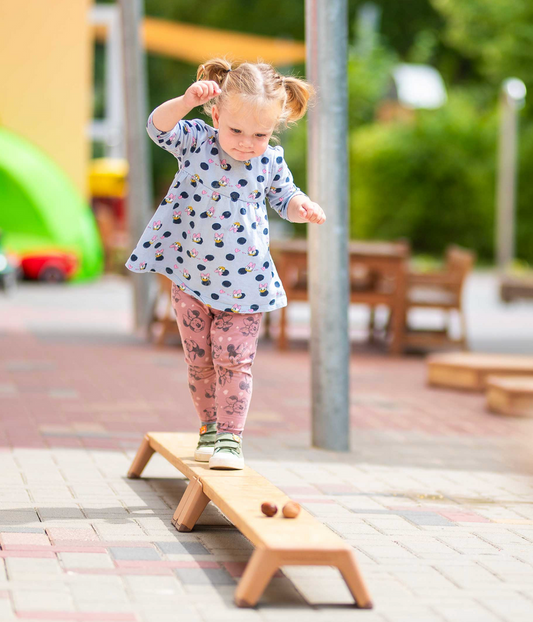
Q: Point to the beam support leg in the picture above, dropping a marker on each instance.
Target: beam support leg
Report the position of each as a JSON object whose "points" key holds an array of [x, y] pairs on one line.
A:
{"points": [[349, 568], [260, 569], [190, 507], [144, 453]]}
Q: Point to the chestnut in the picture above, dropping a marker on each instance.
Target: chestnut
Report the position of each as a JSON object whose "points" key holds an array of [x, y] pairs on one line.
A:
{"points": [[269, 509], [291, 509]]}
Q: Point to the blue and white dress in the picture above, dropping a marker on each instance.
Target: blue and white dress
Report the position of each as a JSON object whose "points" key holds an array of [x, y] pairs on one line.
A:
{"points": [[210, 233]]}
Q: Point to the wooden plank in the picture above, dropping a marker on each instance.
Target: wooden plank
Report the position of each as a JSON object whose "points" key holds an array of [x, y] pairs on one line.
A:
{"points": [[468, 370], [178, 449], [240, 499]]}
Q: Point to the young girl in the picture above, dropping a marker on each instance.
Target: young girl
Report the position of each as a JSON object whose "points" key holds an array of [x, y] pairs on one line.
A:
{"points": [[210, 234]]}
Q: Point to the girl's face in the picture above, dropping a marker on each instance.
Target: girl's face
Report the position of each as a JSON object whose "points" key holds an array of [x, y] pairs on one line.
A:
{"points": [[244, 131]]}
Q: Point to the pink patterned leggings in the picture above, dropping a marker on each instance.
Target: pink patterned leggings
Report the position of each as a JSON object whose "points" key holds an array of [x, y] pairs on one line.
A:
{"points": [[219, 349]]}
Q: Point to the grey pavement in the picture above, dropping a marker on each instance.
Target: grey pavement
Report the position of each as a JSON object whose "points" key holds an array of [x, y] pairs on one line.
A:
{"points": [[436, 495]]}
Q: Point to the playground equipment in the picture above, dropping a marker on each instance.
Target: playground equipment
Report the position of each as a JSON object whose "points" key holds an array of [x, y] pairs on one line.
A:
{"points": [[510, 396], [43, 215], [468, 370], [49, 266], [108, 189], [303, 541]]}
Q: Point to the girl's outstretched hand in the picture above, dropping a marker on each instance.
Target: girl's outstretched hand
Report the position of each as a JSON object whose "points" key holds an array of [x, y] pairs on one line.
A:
{"points": [[200, 92], [311, 212]]}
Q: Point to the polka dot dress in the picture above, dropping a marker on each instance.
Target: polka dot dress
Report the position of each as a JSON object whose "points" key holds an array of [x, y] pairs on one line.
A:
{"points": [[210, 233]]}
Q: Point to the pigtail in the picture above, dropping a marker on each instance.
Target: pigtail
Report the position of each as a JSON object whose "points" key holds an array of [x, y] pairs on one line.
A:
{"points": [[299, 93], [258, 84], [215, 69]]}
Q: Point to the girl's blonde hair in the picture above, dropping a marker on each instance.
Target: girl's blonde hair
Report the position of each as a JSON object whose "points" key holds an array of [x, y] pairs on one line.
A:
{"points": [[260, 85]]}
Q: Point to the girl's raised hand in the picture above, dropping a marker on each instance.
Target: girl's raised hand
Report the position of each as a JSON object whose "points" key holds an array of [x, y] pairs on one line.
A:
{"points": [[200, 92]]}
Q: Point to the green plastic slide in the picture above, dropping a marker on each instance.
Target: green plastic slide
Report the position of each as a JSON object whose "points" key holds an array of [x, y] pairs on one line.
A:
{"points": [[41, 209]]}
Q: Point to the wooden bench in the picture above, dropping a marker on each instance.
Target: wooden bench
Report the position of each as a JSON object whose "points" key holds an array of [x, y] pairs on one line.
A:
{"points": [[279, 541], [469, 370], [516, 288], [510, 396], [441, 290]]}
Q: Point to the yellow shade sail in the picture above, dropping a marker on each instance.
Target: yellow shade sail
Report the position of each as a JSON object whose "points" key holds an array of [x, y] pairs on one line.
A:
{"points": [[196, 44]]}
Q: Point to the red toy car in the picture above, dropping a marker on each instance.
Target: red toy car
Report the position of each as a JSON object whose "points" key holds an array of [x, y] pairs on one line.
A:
{"points": [[49, 266]]}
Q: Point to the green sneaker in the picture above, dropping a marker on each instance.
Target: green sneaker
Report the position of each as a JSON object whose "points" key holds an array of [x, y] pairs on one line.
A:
{"points": [[228, 452], [206, 442]]}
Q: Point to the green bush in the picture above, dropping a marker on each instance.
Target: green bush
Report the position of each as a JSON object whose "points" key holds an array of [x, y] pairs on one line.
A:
{"points": [[430, 180]]}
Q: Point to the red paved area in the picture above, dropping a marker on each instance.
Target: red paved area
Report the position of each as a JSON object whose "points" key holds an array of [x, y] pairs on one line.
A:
{"points": [[105, 395]]}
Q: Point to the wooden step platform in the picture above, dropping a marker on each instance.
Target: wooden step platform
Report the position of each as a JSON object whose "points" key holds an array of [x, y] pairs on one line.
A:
{"points": [[469, 370], [510, 396], [279, 541]]}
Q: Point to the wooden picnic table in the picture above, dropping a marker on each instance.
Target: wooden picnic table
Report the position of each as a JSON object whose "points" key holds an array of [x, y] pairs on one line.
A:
{"points": [[378, 276]]}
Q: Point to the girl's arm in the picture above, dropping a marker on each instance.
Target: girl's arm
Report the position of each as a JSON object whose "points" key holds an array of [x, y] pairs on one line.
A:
{"points": [[302, 209], [168, 114]]}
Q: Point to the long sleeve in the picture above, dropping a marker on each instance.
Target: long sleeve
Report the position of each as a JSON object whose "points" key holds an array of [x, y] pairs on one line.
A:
{"points": [[184, 138], [282, 187]]}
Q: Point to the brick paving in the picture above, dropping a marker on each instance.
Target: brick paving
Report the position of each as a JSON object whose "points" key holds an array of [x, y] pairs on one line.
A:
{"points": [[436, 495]]}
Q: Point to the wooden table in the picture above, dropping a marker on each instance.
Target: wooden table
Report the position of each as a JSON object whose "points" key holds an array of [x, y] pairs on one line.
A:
{"points": [[378, 275]]}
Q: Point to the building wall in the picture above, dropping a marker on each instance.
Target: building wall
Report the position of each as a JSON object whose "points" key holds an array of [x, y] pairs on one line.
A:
{"points": [[46, 64]]}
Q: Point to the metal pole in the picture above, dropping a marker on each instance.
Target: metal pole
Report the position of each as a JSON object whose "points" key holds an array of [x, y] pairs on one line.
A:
{"points": [[327, 48], [115, 146], [512, 97], [139, 178]]}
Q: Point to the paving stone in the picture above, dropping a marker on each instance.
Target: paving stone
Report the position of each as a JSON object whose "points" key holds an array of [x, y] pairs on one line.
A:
{"points": [[57, 512], [201, 576], [33, 569], [96, 588], [119, 531], [41, 601], [7, 614], [58, 534], [192, 548], [134, 553], [11, 540], [222, 539], [153, 585], [12, 517], [86, 560]]}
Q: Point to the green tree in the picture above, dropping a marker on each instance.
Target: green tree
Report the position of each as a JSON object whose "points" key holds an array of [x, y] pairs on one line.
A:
{"points": [[496, 34]]}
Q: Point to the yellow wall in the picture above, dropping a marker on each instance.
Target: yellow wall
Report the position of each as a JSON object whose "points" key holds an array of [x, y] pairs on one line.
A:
{"points": [[46, 78]]}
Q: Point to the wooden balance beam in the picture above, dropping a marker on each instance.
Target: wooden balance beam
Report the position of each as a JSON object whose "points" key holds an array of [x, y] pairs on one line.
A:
{"points": [[469, 370], [279, 541]]}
